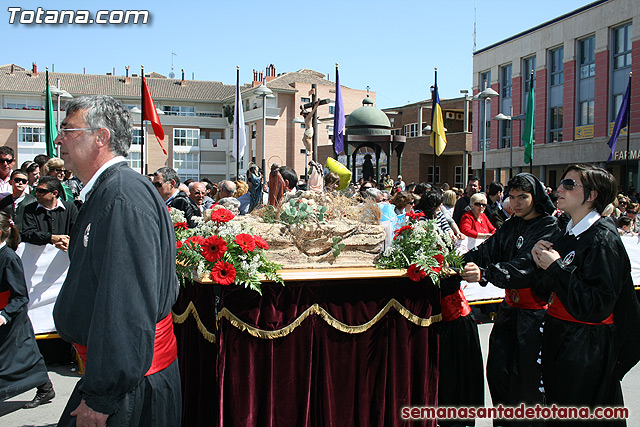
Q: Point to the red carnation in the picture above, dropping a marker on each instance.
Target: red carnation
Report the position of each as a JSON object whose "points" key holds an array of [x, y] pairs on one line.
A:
{"points": [[183, 225], [415, 273], [213, 248], [222, 215], [191, 241], [178, 244], [261, 243], [223, 273], [246, 242], [415, 215], [440, 259], [399, 231]]}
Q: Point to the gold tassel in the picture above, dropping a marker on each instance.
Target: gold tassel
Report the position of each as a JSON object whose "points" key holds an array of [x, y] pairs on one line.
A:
{"points": [[331, 321], [192, 309]]}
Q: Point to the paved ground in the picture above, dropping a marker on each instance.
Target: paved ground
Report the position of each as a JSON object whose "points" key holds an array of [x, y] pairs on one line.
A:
{"points": [[64, 379]]}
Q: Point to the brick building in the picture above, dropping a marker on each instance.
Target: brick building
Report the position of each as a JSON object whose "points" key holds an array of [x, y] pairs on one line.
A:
{"points": [[581, 63], [198, 135]]}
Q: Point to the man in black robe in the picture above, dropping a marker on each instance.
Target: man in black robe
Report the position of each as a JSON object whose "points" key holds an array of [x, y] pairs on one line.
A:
{"points": [[505, 260], [166, 181], [116, 301]]}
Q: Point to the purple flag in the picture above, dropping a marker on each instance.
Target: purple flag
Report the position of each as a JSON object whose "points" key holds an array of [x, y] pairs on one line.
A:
{"points": [[338, 118], [621, 121]]}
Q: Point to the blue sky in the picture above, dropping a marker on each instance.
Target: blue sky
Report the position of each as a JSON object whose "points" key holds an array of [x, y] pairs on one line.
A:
{"points": [[390, 46]]}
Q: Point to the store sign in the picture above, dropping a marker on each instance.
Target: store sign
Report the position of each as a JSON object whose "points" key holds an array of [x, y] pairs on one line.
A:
{"points": [[584, 132], [622, 155], [623, 131]]}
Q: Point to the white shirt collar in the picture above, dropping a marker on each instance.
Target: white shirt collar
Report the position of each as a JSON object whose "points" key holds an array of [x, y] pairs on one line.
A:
{"points": [[87, 188], [59, 205], [584, 224], [173, 196], [3, 244]]}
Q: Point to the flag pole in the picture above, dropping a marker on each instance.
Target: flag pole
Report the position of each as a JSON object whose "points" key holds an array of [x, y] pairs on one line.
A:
{"points": [[435, 71], [143, 134], [626, 157], [237, 117], [532, 136]]}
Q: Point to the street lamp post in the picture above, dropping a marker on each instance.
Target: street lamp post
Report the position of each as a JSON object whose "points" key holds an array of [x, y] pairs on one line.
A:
{"points": [[264, 92], [300, 121], [503, 117], [485, 95], [60, 93]]}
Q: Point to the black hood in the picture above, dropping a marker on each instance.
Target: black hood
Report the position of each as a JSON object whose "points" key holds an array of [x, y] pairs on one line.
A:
{"points": [[541, 200]]}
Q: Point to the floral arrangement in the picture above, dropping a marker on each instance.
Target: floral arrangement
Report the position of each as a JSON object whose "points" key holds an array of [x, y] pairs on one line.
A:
{"points": [[421, 248], [223, 250]]}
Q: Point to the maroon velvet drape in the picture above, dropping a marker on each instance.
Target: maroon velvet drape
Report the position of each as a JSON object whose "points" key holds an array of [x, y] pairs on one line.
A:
{"points": [[316, 375]]}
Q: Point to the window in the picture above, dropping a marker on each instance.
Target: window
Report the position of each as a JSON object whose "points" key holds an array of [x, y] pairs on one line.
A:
{"points": [[506, 91], [187, 165], [430, 174], [555, 124], [457, 179], [411, 130], [305, 100], [31, 134], [137, 137], [484, 126], [396, 132], [505, 81], [621, 66], [174, 110], [622, 47], [332, 109], [587, 57], [186, 137], [528, 65], [586, 81], [555, 102], [134, 160], [25, 103]]}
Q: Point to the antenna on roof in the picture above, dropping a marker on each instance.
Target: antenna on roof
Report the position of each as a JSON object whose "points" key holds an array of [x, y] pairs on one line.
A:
{"points": [[475, 20], [172, 74]]}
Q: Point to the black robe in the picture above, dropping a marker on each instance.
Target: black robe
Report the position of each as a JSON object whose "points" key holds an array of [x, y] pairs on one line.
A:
{"points": [[16, 213], [184, 203], [21, 364], [505, 259], [583, 364], [121, 282]]}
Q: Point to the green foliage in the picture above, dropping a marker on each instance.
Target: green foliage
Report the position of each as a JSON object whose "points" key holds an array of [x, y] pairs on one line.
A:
{"points": [[337, 247]]}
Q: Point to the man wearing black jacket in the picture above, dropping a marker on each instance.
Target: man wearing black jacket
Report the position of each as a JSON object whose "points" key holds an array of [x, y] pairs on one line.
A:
{"points": [[166, 181], [49, 220], [462, 205]]}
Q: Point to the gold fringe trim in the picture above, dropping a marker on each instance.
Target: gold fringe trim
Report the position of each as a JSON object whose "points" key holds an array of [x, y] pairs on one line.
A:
{"points": [[191, 309], [331, 321]]}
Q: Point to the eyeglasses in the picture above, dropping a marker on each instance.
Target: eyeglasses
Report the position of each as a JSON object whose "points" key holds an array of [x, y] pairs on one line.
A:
{"points": [[61, 170], [632, 212], [411, 202], [42, 191], [482, 205], [569, 184], [158, 184], [62, 132], [7, 161], [20, 180]]}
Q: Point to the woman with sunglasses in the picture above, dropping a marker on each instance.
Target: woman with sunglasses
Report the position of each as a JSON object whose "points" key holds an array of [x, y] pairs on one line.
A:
{"points": [[55, 168], [474, 222], [14, 203], [591, 334]]}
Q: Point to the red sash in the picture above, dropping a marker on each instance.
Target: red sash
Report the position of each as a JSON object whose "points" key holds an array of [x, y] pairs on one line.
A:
{"points": [[454, 306], [523, 298], [557, 310], [165, 349], [4, 299]]}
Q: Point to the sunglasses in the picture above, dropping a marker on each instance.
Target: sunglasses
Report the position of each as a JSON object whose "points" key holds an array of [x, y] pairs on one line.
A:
{"points": [[61, 170], [7, 161], [632, 212], [569, 184], [482, 205], [20, 180], [158, 184], [42, 191]]}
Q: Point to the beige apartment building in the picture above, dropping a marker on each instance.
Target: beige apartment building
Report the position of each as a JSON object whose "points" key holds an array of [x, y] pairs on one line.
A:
{"points": [[198, 134]]}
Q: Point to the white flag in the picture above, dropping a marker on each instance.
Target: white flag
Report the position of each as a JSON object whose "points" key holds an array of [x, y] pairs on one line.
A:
{"points": [[239, 136]]}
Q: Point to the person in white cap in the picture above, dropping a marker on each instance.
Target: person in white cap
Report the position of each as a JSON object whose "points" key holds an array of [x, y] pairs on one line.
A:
{"points": [[400, 183]]}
